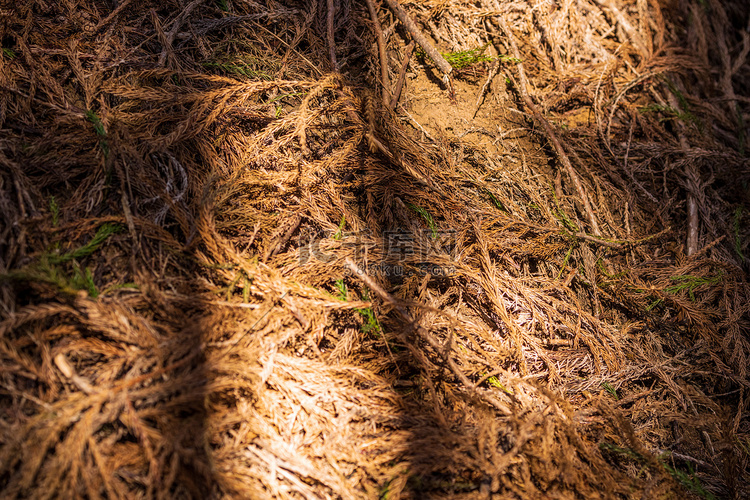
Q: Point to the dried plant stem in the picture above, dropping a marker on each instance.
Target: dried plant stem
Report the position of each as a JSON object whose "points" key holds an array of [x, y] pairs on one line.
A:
{"points": [[173, 274], [630, 31], [175, 28], [561, 155], [331, 42], [423, 42], [434, 343], [64, 366], [483, 92], [384, 81], [112, 15], [693, 184], [729, 69], [401, 76], [557, 146], [599, 241], [613, 107], [692, 236], [284, 238], [617, 244]]}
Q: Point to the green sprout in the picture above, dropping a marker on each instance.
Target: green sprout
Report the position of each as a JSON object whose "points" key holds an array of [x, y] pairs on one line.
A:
{"points": [[628, 452], [682, 113], [83, 279], [341, 289], [607, 387], [240, 68], [55, 209], [384, 490], [102, 234], [246, 64], [342, 224], [653, 304], [100, 131], [600, 265], [565, 220], [465, 58], [744, 445], [494, 382], [44, 272], [49, 268], [686, 283], [691, 284], [427, 218], [679, 95], [278, 106], [562, 217], [497, 202], [687, 479], [510, 59], [565, 261], [371, 324], [670, 112]]}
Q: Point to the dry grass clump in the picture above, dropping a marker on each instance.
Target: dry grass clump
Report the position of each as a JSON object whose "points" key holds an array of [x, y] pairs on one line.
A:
{"points": [[229, 271]]}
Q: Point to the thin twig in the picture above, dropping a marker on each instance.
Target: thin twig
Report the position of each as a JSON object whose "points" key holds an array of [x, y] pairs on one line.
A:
{"points": [[423, 42], [600, 241], [692, 181], [112, 15], [617, 244], [687, 458], [434, 343], [483, 92], [692, 221], [274, 249], [176, 27], [331, 42], [384, 81], [415, 122], [401, 76], [239, 338], [562, 156], [615, 100], [64, 366]]}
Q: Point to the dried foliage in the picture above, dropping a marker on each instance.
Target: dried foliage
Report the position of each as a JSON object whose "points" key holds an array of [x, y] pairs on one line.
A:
{"points": [[228, 271]]}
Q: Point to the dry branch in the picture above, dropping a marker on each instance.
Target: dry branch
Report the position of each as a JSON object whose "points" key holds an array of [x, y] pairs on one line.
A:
{"points": [[522, 85], [401, 75], [485, 88], [176, 25], [693, 184], [384, 81], [423, 42], [329, 32], [426, 335]]}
